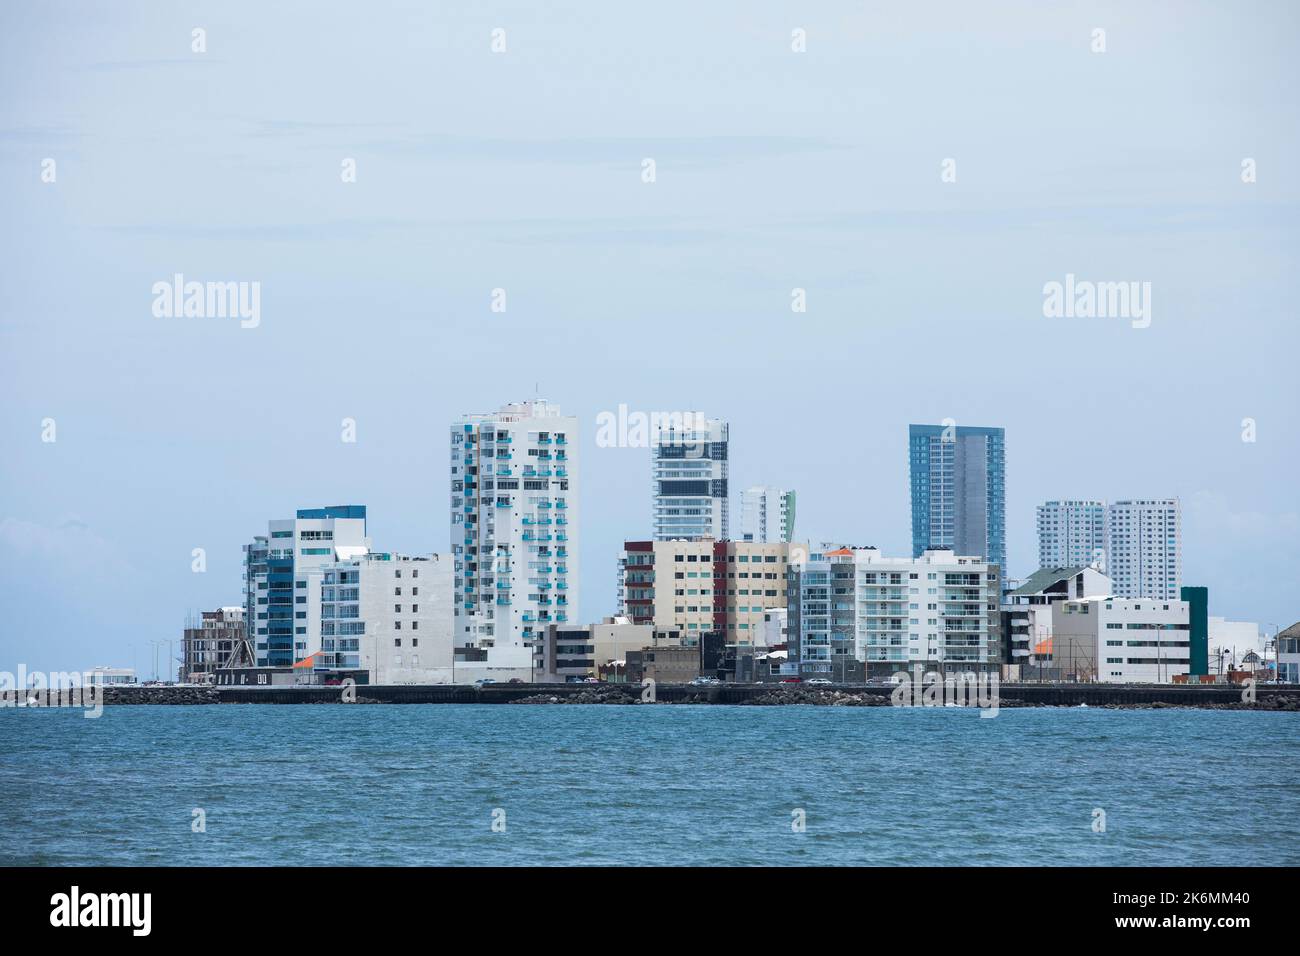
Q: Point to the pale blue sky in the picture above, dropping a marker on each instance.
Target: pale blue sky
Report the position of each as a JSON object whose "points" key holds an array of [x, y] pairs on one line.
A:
{"points": [[775, 170]]}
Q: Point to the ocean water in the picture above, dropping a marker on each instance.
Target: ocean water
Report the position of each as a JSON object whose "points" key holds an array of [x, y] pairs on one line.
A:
{"points": [[662, 785]]}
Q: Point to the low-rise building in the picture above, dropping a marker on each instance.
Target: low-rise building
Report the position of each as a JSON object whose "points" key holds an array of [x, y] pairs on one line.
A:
{"points": [[1288, 655], [1129, 640], [113, 676], [1027, 614], [576, 653], [1231, 642], [668, 664]]}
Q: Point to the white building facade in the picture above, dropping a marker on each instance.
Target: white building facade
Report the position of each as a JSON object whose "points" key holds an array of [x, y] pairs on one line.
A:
{"points": [[1027, 614], [1121, 640], [388, 614], [1144, 553], [939, 610], [514, 528], [689, 466], [1072, 534], [281, 621], [767, 514]]}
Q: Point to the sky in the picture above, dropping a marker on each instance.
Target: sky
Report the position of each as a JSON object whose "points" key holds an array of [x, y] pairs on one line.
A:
{"points": [[522, 170]]}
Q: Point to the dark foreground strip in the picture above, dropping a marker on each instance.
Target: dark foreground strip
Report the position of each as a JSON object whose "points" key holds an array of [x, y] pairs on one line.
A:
{"points": [[306, 906]]}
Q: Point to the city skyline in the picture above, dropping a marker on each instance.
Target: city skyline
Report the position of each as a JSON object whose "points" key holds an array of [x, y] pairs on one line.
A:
{"points": [[923, 297]]}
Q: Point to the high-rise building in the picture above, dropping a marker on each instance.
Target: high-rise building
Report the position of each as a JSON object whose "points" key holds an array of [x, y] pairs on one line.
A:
{"points": [[958, 478], [514, 527], [855, 613], [1072, 534], [688, 460], [701, 586], [766, 514], [280, 619], [1144, 554]]}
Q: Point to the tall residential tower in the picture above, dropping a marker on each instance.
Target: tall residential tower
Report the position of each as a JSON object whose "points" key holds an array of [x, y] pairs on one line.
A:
{"points": [[514, 525], [689, 466], [1144, 550], [1072, 534], [958, 476], [766, 514]]}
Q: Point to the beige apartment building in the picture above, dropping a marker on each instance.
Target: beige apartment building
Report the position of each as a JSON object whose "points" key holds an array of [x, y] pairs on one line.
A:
{"points": [[701, 585]]}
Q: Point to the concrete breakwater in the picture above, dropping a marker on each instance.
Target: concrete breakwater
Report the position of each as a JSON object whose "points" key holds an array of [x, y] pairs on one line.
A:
{"points": [[110, 695], [1218, 697], [1214, 697]]}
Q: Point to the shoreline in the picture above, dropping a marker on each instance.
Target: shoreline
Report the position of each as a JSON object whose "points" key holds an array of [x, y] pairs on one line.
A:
{"points": [[1284, 698]]}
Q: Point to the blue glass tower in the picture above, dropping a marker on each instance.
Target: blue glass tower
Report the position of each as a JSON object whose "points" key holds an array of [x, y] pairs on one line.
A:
{"points": [[958, 476]]}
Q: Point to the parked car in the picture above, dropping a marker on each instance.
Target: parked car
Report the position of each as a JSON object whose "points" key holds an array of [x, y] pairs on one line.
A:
{"points": [[516, 680], [819, 680], [482, 681], [791, 680]]}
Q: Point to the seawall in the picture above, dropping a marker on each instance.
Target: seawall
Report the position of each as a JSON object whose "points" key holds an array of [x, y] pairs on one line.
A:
{"points": [[1284, 697]]}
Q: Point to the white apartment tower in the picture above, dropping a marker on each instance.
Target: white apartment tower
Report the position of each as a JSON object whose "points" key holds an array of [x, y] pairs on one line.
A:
{"points": [[1144, 552], [1072, 534], [766, 514], [514, 526], [281, 622], [688, 460]]}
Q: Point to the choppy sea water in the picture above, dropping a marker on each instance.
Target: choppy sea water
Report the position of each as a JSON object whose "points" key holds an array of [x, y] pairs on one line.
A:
{"points": [[662, 785]]}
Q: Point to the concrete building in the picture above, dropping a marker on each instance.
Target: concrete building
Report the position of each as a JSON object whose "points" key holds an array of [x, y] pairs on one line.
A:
{"points": [[387, 614], [1129, 640], [1072, 534], [939, 610], [704, 585], [766, 514], [514, 529], [1027, 614], [667, 664], [689, 467], [113, 676], [958, 484], [772, 632], [578, 653], [1231, 642], [1288, 655], [208, 642], [277, 614], [1144, 555]]}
